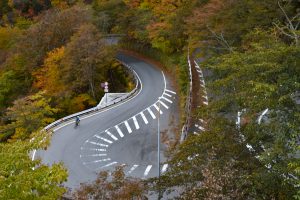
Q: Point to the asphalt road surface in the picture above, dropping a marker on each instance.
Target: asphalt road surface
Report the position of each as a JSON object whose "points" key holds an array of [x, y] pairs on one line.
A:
{"points": [[125, 134]]}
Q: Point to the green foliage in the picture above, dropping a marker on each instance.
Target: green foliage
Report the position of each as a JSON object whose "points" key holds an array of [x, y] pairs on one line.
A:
{"points": [[22, 178], [119, 187], [27, 115]]}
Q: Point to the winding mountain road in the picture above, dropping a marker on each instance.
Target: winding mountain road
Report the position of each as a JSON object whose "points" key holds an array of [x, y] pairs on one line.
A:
{"points": [[124, 134]]}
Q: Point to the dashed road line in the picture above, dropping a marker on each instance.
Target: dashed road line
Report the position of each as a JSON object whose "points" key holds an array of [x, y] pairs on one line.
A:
{"points": [[127, 126], [96, 161], [104, 139], [111, 135], [157, 108], [164, 168], [167, 94], [168, 100], [151, 113], [147, 170], [119, 131], [92, 149], [93, 155], [164, 105], [170, 91], [144, 118], [200, 127], [132, 169], [98, 144], [136, 124], [109, 164]]}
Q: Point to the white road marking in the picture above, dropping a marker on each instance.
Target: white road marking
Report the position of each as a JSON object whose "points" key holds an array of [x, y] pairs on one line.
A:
{"points": [[170, 91], [147, 170], [205, 102], [164, 168], [132, 169], [93, 155], [157, 108], [128, 127], [168, 100], [98, 144], [144, 118], [164, 105], [111, 135], [96, 161], [200, 127], [136, 124], [92, 149], [119, 131], [33, 154], [201, 120], [164, 80], [104, 139], [151, 113], [167, 94], [109, 164]]}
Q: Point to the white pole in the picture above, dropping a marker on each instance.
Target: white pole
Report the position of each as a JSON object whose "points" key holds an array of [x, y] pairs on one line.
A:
{"points": [[158, 140]]}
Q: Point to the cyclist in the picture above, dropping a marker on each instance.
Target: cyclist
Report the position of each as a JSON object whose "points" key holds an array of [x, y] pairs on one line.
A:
{"points": [[77, 120]]}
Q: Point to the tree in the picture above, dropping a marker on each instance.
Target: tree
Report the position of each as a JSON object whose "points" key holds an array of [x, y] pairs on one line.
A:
{"points": [[53, 30], [117, 188], [86, 61], [28, 114], [22, 178]]}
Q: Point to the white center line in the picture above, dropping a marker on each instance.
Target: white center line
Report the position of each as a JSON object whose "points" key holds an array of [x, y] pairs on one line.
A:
{"points": [[119, 131], [164, 168], [99, 144], [151, 113], [128, 127], [136, 124], [132, 168], [147, 170], [104, 139], [111, 135], [157, 108], [162, 103], [168, 100], [170, 91], [144, 118]]}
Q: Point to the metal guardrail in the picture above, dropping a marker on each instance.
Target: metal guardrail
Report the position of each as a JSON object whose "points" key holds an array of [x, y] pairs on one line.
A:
{"points": [[188, 105], [100, 108]]}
